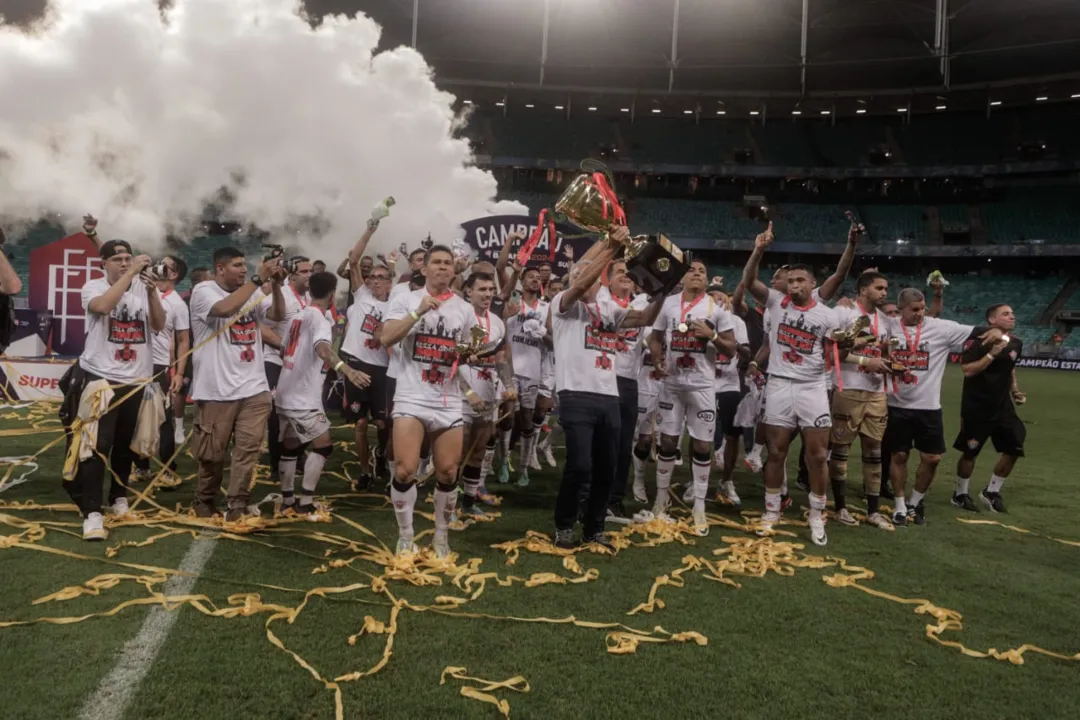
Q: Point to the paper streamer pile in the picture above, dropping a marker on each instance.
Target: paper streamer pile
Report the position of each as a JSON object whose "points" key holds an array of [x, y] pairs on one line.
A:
{"points": [[143, 116]]}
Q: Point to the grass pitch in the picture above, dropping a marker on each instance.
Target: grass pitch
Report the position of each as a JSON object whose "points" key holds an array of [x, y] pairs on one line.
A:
{"points": [[788, 646]]}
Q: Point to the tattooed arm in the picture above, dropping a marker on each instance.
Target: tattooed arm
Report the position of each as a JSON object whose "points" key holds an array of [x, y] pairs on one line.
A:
{"points": [[327, 355]]}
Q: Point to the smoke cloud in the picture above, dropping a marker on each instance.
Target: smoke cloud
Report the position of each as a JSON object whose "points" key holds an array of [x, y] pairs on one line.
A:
{"points": [[143, 116]]}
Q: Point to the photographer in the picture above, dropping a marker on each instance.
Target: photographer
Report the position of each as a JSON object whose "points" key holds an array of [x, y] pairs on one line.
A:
{"points": [[104, 389]]}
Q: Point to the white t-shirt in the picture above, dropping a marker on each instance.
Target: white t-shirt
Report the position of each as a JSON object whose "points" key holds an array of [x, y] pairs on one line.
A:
{"points": [[691, 361], [177, 318], [586, 340], [427, 353], [398, 290], [630, 348], [527, 347], [302, 372], [727, 368], [854, 378], [118, 344], [925, 350], [482, 377], [365, 317], [229, 367], [797, 337], [294, 303]]}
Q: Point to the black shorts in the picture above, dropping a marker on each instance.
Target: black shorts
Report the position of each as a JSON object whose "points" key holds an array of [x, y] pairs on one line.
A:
{"points": [[391, 388], [273, 374], [727, 403], [922, 429], [1007, 433], [369, 402]]}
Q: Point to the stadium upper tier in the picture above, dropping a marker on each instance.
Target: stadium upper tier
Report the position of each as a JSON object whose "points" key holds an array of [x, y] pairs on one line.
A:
{"points": [[928, 140]]}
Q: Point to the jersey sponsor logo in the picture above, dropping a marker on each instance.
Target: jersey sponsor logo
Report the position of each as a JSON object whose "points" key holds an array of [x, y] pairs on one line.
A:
{"points": [[665, 405], [126, 329], [244, 333], [707, 416], [823, 421]]}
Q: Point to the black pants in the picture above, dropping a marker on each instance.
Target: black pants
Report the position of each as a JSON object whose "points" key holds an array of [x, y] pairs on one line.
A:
{"points": [[591, 424], [167, 443], [628, 411], [115, 430], [273, 374]]}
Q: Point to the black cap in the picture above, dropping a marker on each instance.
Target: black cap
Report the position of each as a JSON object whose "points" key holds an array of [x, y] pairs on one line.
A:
{"points": [[115, 247], [418, 278]]}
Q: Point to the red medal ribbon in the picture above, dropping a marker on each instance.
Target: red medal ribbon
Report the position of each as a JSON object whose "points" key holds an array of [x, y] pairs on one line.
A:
{"points": [[526, 251], [685, 309], [611, 201]]}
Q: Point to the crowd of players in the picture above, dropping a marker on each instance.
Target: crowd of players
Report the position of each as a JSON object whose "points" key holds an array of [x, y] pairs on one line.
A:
{"points": [[452, 362]]}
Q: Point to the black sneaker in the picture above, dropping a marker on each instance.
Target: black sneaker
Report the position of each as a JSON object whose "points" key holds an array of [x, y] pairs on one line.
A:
{"points": [[899, 519], [362, 483], [564, 539], [598, 539], [964, 502], [920, 513], [886, 492], [993, 501], [617, 514]]}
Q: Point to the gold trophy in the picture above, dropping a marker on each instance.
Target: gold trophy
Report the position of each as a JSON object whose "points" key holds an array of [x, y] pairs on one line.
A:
{"points": [[473, 346], [655, 263], [855, 335]]}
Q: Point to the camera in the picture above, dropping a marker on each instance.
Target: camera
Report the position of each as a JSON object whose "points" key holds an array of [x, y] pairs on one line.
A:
{"points": [[273, 251], [159, 270]]}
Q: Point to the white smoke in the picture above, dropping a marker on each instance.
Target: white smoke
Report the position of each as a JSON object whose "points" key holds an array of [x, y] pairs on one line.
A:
{"points": [[114, 108]]}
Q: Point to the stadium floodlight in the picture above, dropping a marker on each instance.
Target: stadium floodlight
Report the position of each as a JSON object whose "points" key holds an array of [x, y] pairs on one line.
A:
{"points": [[995, 103], [901, 109], [1075, 95], [656, 110], [592, 108], [624, 109], [754, 112], [824, 112], [1041, 98], [687, 112], [721, 112], [500, 104], [529, 105], [940, 107], [796, 112], [558, 107], [860, 111], [467, 102]]}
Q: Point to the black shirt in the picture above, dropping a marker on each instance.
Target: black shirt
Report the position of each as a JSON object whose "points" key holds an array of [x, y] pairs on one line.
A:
{"points": [[988, 395], [755, 329]]}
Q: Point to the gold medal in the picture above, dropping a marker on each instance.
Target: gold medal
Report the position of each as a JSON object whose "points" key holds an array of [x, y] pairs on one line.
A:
{"points": [[683, 327]]}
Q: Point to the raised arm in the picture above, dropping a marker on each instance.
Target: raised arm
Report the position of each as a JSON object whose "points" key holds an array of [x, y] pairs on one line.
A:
{"points": [[757, 289], [237, 299], [153, 299], [738, 300], [504, 257], [646, 316], [106, 302], [832, 283], [10, 282], [590, 273], [89, 228], [937, 303]]}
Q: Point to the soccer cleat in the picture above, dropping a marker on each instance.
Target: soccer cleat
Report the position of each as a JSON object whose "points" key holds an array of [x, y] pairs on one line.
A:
{"points": [[727, 494], [752, 463], [523, 478], [964, 502], [504, 473], [878, 520], [769, 520], [362, 483], [639, 493], [919, 513], [440, 544], [534, 462], [549, 456], [688, 494], [564, 539], [785, 502], [205, 509], [899, 519], [993, 501], [843, 515], [678, 457], [169, 480], [660, 509], [617, 514], [474, 512], [238, 514], [817, 529], [405, 547], [701, 523], [140, 475], [310, 511], [119, 507], [598, 539], [93, 527]]}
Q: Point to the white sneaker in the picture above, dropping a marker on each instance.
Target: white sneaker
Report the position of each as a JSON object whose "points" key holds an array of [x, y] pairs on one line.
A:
{"points": [[639, 492], [845, 517], [441, 545], [728, 490], [753, 463], [179, 436], [405, 547], [701, 523], [659, 512], [817, 529], [718, 459], [119, 507], [678, 459], [549, 457], [769, 520], [688, 494], [534, 462], [879, 521], [93, 527]]}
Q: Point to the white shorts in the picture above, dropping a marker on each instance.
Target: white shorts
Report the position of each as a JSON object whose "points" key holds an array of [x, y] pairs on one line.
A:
{"points": [[304, 425], [434, 419], [693, 409], [547, 379], [470, 416], [794, 404], [527, 390], [646, 413]]}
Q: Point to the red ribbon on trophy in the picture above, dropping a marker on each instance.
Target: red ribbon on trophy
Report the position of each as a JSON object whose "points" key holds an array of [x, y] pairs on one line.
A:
{"points": [[545, 220]]}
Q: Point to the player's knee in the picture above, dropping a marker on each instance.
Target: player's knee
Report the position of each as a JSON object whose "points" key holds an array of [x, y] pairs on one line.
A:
{"points": [[324, 451], [668, 444], [445, 486], [699, 447], [900, 458], [931, 460], [447, 474], [404, 470], [361, 424], [816, 455]]}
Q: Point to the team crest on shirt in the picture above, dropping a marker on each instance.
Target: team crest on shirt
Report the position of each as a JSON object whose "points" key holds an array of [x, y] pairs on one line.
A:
{"points": [[126, 328], [973, 444], [435, 345], [244, 333]]}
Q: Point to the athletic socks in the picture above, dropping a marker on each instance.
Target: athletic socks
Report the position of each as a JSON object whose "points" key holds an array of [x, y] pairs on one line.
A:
{"points": [[901, 505], [962, 485], [641, 457], [527, 440], [489, 458], [772, 500], [471, 481], [916, 498], [287, 476], [445, 504], [313, 468], [817, 505], [700, 468], [996, 482], [665, 465], [404, 499]]}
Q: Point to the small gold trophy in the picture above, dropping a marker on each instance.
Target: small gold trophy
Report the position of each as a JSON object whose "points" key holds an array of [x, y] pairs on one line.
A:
{"points": [[855, 335], [472, 346]]}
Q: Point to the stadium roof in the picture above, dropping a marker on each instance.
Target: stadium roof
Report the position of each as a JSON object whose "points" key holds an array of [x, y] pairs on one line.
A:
{"points": [[751, 50]]}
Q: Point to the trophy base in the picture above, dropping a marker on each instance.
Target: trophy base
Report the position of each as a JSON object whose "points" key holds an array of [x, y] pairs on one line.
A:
{"points": [[657, 266]]}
